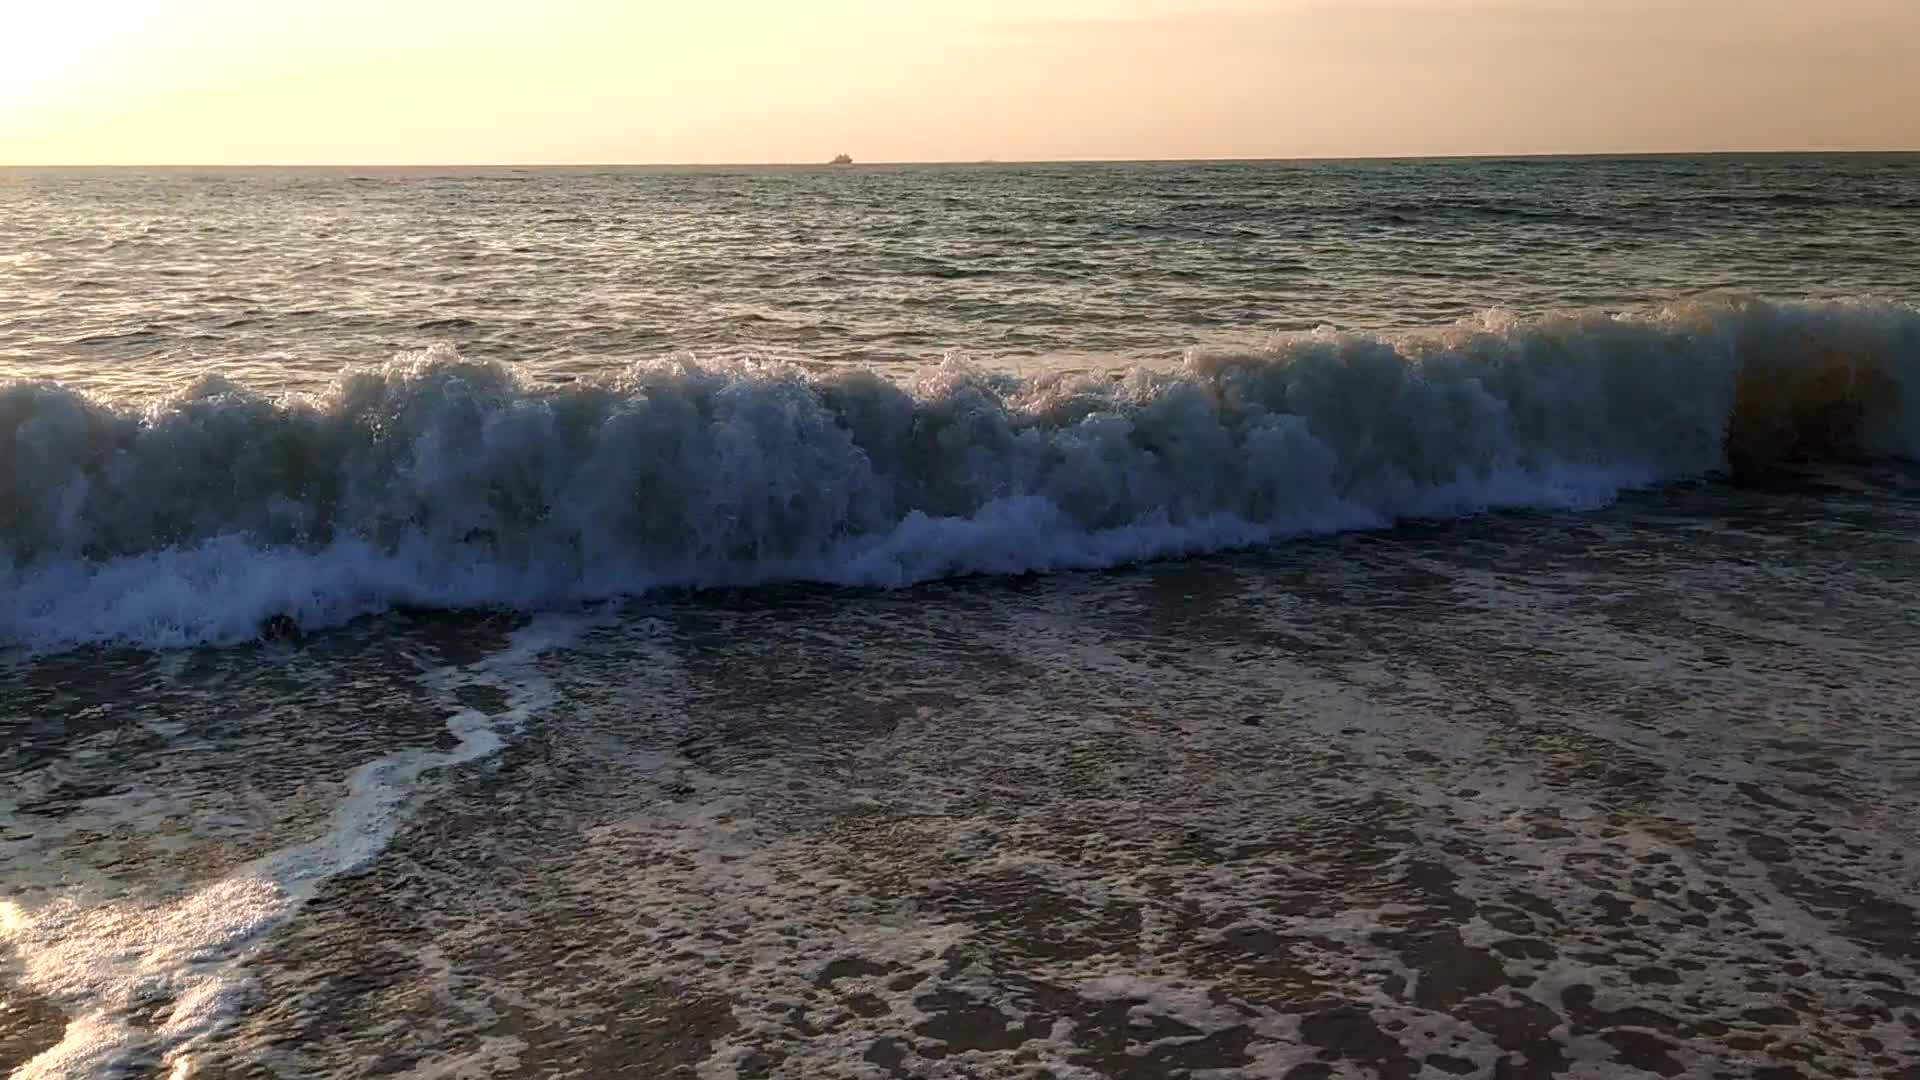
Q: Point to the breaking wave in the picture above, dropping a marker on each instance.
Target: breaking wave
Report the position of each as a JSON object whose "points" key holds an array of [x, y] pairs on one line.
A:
{"points": [[441, 482]]}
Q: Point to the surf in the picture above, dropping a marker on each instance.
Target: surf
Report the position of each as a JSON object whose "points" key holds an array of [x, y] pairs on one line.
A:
{"points": [[434, 480]]}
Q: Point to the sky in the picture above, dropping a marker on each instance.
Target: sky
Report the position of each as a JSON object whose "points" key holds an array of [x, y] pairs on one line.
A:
{"points": [[646, 81]]}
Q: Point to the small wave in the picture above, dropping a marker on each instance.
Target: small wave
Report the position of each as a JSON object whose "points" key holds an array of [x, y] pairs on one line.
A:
{"points": [[129, 337], [440, 481], [1443, 209]]}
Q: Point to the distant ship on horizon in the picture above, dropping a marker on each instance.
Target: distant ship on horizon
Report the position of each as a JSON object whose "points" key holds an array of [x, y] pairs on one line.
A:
{"points": [[841, 159]]}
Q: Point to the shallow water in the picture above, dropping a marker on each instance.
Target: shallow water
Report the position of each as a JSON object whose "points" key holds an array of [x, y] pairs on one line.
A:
{"points": [[1527, 795]]}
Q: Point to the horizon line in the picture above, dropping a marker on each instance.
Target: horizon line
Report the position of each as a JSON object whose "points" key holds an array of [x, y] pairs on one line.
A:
{"points": [[1471, 156]]}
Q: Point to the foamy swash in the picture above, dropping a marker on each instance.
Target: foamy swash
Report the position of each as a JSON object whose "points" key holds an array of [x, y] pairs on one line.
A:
{"points": [[435, 481]]}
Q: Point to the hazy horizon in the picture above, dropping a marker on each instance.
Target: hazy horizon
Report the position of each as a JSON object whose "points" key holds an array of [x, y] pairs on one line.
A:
{"points": [[859, 162], [756, 82]]}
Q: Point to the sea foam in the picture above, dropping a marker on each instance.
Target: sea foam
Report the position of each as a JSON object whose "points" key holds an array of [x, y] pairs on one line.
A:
{"points": [[439, 481]]}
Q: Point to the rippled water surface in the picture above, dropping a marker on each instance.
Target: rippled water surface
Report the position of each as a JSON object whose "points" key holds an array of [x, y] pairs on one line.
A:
{"points": [[125, 279]]}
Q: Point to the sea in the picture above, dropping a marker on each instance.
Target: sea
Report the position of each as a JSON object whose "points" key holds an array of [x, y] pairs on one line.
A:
{"points": [[1309, 620]]}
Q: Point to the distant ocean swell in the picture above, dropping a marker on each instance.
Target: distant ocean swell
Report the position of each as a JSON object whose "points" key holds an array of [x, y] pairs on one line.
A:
{"points": [[439, 482]]}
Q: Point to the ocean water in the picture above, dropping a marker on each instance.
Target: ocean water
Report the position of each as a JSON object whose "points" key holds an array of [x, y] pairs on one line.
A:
{"points": [[1385, 619]]}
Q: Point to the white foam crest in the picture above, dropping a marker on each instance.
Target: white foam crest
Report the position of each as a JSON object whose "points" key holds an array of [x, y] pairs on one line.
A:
{"points": [[222, 591], [436, 481], [106, 962]]}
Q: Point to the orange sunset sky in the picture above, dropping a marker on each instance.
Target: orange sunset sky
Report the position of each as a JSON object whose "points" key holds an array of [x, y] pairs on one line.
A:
{"points": [[561, 81]]}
